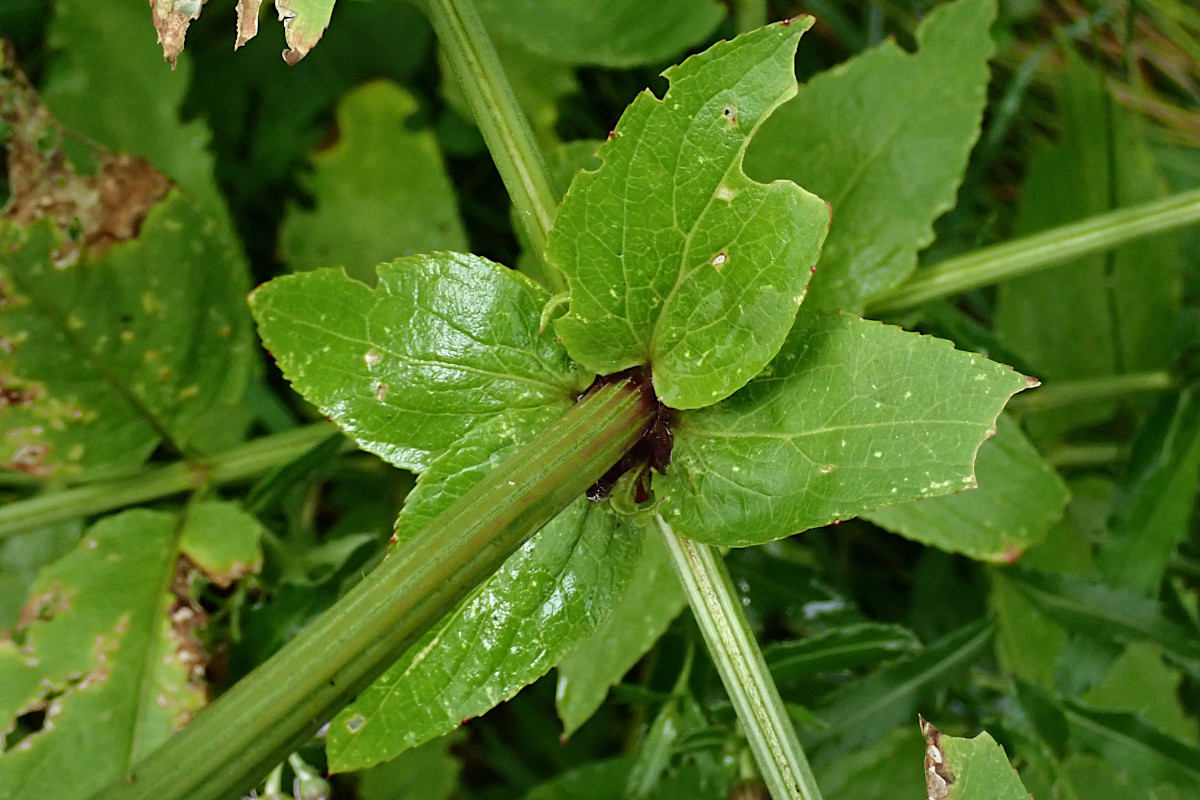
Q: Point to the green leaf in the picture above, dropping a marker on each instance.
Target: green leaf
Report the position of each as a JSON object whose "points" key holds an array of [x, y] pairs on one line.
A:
{"points": [[381, 191], [1106, 313], [674, 257], [1140, 683], [222, 540], [22, 557], [652, 600], [968, 769], [1154, 505], [864, 709], [887, 769], [842, 648], [98, 645], [115, 354], [1134, 746], [1108, 614], [851, 416], [304, 21], [425, 773], [606, 780], [105, 51], [443, 342], [617, 33], [885, 139], [1019, 498], [549, 596]]}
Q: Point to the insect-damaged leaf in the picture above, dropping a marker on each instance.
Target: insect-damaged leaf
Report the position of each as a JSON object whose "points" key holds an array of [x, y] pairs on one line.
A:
{"points": [[443, 342], [96, 642], [304, 21], [850, 417], [884, 138], [674, 257], [171, 20], [968, 769]]}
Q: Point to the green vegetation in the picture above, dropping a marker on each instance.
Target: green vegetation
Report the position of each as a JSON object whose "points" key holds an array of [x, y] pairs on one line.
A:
{"points": [[667, 447]]}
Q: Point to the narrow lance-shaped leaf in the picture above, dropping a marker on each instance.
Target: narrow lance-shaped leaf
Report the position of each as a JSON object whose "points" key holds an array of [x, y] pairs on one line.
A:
{"points": [[885, 139], [674, 257], [850, 417]]}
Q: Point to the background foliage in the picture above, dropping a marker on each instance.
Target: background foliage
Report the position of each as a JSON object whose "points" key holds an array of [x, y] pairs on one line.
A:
{"points": [[1056, 606]]}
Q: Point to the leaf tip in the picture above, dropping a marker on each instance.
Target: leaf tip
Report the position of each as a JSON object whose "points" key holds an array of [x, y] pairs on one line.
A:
{"points": [[938, 779]]}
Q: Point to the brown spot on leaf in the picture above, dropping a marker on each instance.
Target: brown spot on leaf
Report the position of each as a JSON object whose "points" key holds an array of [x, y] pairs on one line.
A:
{"points": [[13, 396], [93, 211], [31, 459], [186, 617], [45, 605], [938, 779]]}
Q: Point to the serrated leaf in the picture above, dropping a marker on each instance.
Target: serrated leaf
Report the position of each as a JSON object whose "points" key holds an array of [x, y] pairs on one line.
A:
{"points": [[442, 343], [381, 191], [1018, 499], [885, 139], [968, 769], [651, 601], [674, 257], [544, 600], [617, 33], [1109, 614], [1105, 313], [97, 644], [113, 355], [222, 540], [841, 648], [850, 417], [862, 710]]}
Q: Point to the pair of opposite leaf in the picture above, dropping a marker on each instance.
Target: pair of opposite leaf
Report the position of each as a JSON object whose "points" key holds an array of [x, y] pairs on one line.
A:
{"points": [[675, 260]]}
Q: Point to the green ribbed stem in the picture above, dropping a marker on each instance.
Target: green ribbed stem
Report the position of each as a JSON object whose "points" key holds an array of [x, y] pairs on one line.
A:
{"points": [[505, 129], [739, 661], [1055, 246], [239, 463], [233, 743]]}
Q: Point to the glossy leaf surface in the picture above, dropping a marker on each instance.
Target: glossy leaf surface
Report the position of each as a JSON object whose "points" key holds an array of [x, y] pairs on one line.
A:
{"points": [[548, 596], [1018, 498], [884, 138], [652, 600], [674, 257], [852, 416], [443, 342], [381, 191]]}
